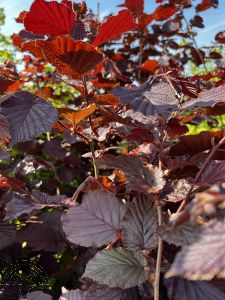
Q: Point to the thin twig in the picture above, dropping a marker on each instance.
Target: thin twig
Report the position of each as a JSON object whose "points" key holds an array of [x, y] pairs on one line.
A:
{"points": [[91, 141], [214, 149], [160, 240], [159, 257], [195, 43]]}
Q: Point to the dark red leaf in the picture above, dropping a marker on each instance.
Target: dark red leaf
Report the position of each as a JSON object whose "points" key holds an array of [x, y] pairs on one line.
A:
{"points": [[220, 37], [74, 58]]}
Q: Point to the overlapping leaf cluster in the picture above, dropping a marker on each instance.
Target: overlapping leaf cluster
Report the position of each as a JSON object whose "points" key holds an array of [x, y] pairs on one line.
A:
{"points": [[101, 180]]}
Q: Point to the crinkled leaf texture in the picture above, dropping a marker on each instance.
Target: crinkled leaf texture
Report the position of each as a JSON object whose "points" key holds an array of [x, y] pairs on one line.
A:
{"points": [[115, 26], [139, 225], [141, 178], [206, 98], [37, 295], [7, 235], [73, 58], [50, 18], [204, 258], [28, 116], [101, 292], [192, 290], [95, 222], [154, 97], [117, 268]]}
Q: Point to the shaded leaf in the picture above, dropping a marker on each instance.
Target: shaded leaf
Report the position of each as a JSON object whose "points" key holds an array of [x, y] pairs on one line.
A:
{"points": [[4, 129], [117, 268], [70, 57], [192, 144], [95, 222], [152, 98], [142, 178], [28, 116], [214, 173], [204, 258], [163, 12], [192, 290], [7, 235], [50, 18], [138, 226], [178, 235], [115, 26], [23, 204], [41, 236]]}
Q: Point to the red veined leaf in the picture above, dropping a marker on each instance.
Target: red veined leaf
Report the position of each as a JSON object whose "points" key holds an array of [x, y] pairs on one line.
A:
{"points": [[4, 129], [70, 57], [76, 116], [136, 7], [149, 65], [50, 18], [220, 37], [33, 48], [164, 12], [115, 26]]}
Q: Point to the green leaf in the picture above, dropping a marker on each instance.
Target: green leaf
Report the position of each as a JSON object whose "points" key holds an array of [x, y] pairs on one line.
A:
{"points": [[117, 268]]}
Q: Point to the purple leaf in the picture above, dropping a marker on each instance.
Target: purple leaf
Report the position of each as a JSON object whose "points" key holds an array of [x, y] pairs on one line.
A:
{"points": [[214, 173], [28, 116], [95, 222], [181, 289], [141, 178], [19, 204], [139, 225], [206, 98], [204, 258], [7, 235], [153, 98], [37, 295]]}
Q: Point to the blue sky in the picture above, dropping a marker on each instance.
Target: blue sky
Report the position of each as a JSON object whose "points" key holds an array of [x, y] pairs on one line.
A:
{"points": [[214, 18]]}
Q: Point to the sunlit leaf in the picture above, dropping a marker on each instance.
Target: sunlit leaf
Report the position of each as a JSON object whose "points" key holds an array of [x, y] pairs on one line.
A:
{"points": [[74, 58], [115, 26], [52, 18]]}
